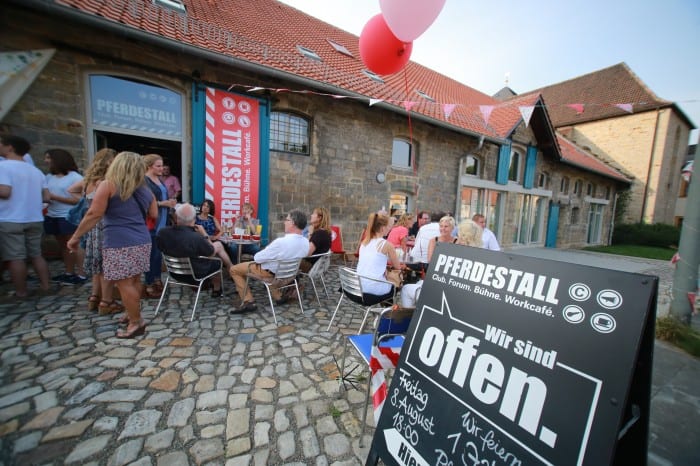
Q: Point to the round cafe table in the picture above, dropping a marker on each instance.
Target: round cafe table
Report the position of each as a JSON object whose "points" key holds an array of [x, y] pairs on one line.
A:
{"points": [[240, 241]]}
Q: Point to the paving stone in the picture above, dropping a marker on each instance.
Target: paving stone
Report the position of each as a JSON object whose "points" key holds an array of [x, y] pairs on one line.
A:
{"points": [[28, 442], [286, 446], [126, 452], [140, 423], [88, 448], [67, 430], [177, 458], [106, 424], [237, 423], [16, 397], [159, 441], [207, 450], [180, 413], [336, 445], [261, 434], [44, 419], [15, 410]]}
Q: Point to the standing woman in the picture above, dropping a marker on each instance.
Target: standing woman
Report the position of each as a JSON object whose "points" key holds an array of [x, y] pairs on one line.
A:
{"points": [[102, 290], [154, 169], [319, 236], [122, 201], [63, 173], [447, 225], [374, 252]]}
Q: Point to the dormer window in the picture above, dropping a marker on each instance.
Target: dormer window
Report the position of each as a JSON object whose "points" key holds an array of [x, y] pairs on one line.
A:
{"points": [[373, 76], [340, 48], [424, 95], [176, 5], [308, 53]]}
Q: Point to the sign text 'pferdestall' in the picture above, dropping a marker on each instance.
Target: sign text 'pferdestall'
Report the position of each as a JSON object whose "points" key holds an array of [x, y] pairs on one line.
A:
{"points": [[512, 360]]}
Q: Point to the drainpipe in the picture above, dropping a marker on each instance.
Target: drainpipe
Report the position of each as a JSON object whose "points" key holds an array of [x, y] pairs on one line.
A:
{"points": [[651, 166], [612, 219]]}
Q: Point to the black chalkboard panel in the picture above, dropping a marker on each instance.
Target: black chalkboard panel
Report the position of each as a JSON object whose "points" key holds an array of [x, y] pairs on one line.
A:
{"points": [[512, 360]]}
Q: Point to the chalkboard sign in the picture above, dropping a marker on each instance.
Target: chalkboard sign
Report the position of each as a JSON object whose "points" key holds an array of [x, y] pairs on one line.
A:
{"points": [[512, 360]]}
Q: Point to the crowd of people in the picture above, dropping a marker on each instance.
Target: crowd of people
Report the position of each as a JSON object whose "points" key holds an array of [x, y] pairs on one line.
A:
{"points": [[132, 217]]}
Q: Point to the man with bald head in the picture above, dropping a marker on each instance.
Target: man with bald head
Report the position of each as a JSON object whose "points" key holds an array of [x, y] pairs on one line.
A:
{"points": [[186, 239]]}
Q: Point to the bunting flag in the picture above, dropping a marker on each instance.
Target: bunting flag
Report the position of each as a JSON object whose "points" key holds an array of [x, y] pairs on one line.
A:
{"points": [[254, 89], [375, 101], [486, 112], [577, 107], [339, 96], [447, 109], [526, 113], [18, 70], [626, 107], [408, 105], [381, 358]]}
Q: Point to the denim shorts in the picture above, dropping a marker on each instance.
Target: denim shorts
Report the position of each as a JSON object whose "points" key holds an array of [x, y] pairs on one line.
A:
{"points": [[58, 226]]}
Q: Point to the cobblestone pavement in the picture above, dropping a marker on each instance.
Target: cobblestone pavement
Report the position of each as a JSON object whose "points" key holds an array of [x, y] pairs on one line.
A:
{"points": [[221, 390]]}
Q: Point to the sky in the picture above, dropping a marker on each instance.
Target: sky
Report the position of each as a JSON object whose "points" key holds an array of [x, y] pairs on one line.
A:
{"points": [[541, 42]]}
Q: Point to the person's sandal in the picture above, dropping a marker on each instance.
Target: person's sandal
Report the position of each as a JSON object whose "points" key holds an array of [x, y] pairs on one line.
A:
{"points": [[138, 331], [93, 302], [151, 292], [111, 307]]}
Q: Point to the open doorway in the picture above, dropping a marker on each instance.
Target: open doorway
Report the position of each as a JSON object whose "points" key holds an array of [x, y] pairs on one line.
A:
{"points": [[171, 151]]}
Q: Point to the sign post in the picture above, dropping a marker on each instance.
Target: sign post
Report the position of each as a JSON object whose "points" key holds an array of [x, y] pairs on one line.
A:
{"points": [[512, 360]]}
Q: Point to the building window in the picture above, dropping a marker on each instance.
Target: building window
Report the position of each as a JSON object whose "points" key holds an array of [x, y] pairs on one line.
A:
{"points": [[564, 186], [472, 166], [577, 188], [543, 180], [489, 203], [401, 154], [608, 192], [590, 190], [530, 219], [289, 133], [514, 167], [308, 53], [575, 213], [595, 224], [399, 204]]}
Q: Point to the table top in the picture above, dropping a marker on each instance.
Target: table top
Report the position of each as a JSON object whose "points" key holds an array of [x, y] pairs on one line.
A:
{"points": [[230, 239]]}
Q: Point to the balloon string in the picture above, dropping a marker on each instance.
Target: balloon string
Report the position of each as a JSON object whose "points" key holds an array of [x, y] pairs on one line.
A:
{"points": [[410, 138]]}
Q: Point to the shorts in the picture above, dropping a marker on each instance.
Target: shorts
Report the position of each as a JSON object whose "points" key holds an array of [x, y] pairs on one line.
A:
{"points": [[121, 263], [58, 226], [20, 241]]}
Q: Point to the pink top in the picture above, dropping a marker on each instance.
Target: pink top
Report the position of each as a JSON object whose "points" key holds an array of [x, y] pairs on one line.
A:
{"points": [[396, 235]]}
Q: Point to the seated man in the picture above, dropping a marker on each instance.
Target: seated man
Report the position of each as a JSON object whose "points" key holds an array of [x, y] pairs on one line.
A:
{"points": [[189, 240], [291, 246]]}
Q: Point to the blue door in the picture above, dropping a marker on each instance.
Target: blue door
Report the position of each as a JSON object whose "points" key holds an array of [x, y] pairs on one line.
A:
{"points": [[552, 225]]}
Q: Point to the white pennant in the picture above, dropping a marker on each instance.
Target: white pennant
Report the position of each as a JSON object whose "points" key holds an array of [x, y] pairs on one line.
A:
{"points": [[486, 112], [526, 112], [375, 101]]}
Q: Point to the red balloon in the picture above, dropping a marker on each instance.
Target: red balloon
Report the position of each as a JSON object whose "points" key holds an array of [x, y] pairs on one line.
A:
{"points": [[380, 50]]}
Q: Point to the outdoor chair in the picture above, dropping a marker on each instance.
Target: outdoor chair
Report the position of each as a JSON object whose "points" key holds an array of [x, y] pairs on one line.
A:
{"points": [[351, 289], [378, 351], [337, 247], [285, 277], [180, 272], [318, 270]]}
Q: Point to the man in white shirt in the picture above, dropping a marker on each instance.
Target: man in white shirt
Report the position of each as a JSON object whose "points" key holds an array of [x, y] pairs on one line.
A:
{"points": [[488, 238], [291, 246], [23, 191], [425, 234]]}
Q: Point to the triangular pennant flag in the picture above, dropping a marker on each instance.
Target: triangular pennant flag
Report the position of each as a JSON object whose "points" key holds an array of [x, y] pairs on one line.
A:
{"points": [[254, 89], [448, 109], [486, 112], [375, 101], [626, 107], [526, 112], [408, 105], [577, 107]]}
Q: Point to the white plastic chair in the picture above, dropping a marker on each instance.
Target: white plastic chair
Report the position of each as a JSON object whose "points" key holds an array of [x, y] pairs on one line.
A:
{"points": [[319, 269], [285, 277], [180, 272]]}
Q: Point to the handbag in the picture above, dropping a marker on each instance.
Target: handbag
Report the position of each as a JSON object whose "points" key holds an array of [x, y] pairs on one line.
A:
{"points": [[395, 277], [77, 212]]}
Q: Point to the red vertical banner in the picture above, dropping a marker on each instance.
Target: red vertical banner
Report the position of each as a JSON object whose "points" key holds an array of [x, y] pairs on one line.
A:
{"points": [[232, 152]]}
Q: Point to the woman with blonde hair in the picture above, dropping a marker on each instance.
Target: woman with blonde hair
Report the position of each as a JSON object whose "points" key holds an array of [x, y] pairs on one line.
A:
{"points": [[447, 224], [319, 236], [154, 169], [102, 290], [375, 252], [468, 234], [123, 202], [399, 234]]}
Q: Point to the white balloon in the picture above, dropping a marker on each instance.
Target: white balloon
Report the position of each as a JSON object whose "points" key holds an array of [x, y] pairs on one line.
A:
{"points": [[408, 19]]}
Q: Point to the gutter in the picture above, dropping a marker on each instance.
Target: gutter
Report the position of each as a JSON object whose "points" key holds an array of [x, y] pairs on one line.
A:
{"points": [[55, 10], [650, 167]]}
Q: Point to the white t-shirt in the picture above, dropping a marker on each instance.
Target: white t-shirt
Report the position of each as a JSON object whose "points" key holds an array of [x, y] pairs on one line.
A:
{"points": [[425, 234], [25, 202], [489, 240], [59, 185]]}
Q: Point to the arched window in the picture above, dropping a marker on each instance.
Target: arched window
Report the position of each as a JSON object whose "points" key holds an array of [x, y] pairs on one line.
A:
{"points": [[402, 154], [564, 186], [289, 133], [472, 166], [543, 180], [577, 188]]}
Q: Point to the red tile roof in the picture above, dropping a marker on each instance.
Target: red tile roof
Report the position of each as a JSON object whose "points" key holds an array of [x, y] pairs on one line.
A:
{"points": [[267, 33], [599, 92], [573, 155]]}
